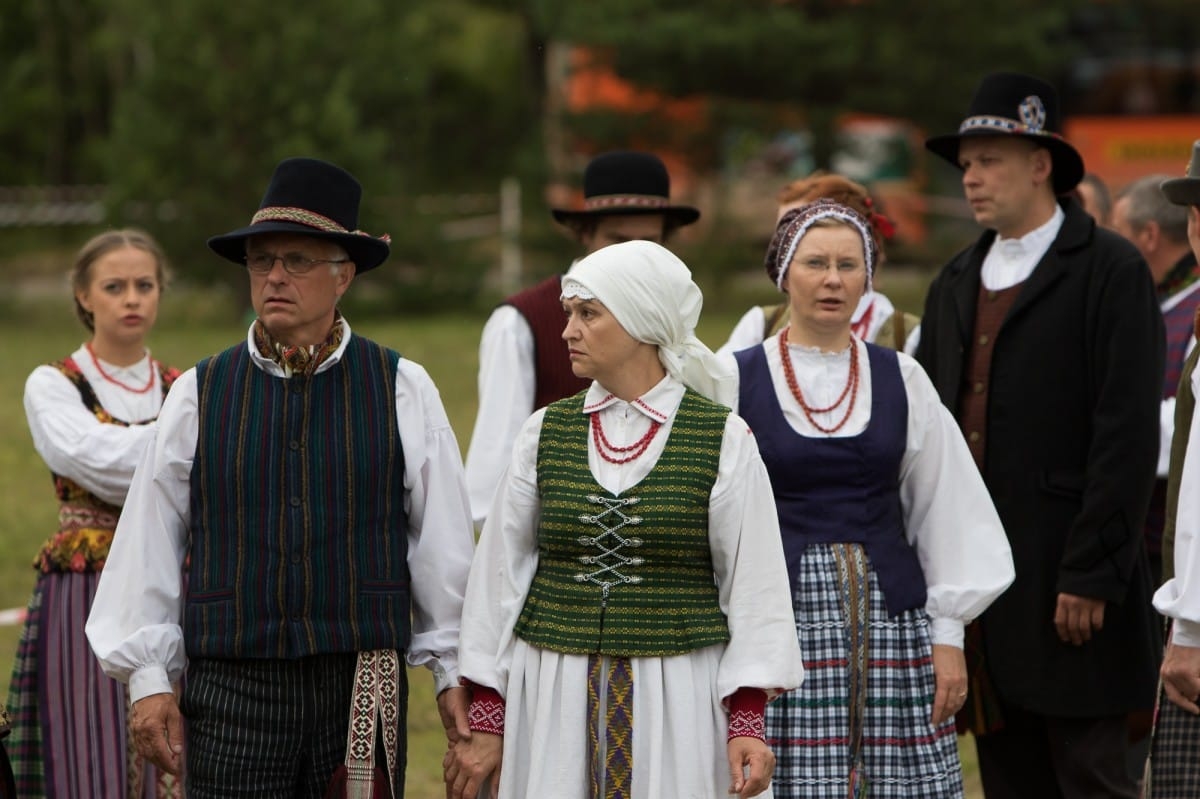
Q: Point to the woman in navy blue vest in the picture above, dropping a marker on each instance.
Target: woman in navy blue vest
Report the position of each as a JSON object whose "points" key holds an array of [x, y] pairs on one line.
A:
{"points": [[891, 541]]}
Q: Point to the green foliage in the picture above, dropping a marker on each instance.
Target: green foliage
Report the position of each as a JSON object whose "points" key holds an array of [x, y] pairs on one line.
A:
{"points": [[828, 57], [183, 109]]}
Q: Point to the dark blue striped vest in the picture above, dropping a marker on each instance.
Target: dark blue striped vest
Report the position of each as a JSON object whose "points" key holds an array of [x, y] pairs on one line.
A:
{"points": [[299, 538], [839, 490]]}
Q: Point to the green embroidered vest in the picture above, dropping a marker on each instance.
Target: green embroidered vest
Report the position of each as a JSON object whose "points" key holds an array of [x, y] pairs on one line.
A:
{"points": [[631, 574]]}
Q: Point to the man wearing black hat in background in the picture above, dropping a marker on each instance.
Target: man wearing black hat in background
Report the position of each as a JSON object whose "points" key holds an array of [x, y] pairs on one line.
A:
{"points": [[309, 483], [523, 362], [1045, 340], [1174, 765], [1158, 228]]}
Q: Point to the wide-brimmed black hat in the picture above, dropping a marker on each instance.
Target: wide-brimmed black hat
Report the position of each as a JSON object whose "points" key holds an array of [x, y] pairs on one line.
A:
{"points": [[626, 182], [1185, 190], [1012, 104], [310, 198]]}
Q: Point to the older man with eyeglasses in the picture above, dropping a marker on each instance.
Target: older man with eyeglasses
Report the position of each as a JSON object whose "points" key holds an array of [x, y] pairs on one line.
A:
{"points": [[300, 522]]}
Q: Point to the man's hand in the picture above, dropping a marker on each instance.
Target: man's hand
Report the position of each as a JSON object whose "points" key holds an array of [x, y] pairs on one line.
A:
{"points": [[1077, 617], [158, 731], [1181, 676], [950, 674], [745, 751], [470, 762], [452, 707]]}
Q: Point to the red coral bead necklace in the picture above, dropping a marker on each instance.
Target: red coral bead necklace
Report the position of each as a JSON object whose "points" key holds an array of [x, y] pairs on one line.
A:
{"points": [[850, 390], [621, 454], [96, 362]]}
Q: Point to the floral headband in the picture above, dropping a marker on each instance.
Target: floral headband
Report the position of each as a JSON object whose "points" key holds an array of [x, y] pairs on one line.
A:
{"points": [[796, 222]]}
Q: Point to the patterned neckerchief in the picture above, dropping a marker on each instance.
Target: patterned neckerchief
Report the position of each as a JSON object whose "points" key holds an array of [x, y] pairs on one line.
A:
{"points": [[1182, 275], [298, 360]]}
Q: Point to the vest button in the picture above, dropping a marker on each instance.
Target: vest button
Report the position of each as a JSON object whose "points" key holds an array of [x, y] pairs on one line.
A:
{"points": [[293, 445], [983, 339], [992, 295], [979, 388], [973, 437], [295, 557], [295, 502]]}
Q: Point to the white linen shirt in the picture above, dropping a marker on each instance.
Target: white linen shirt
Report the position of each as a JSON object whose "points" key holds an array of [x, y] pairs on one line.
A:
{"points": [[948, 514], [507, 385], [134, 626], [1179, 597], [100, 457]]}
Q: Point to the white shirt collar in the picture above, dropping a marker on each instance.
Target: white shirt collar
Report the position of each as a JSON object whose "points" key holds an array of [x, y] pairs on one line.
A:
{"points": [[1037, 240], [657, 404], [1011, 261]]}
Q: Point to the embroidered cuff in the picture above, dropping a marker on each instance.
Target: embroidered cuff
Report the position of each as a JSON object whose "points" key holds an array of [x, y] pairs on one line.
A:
{"points": [[747, 714], [486, 713]]}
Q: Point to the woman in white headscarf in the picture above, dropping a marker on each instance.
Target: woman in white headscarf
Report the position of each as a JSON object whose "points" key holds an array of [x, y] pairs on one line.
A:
{"points": [[627, 616]]}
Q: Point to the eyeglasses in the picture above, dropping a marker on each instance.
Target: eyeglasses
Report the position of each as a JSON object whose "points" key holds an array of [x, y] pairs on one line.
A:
{"points": [[294, 263]]}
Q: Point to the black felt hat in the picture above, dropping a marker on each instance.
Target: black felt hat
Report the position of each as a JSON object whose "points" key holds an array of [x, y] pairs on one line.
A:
{"points": [[1185, 190], [310, 198], [1012, 104], [626, 182]]}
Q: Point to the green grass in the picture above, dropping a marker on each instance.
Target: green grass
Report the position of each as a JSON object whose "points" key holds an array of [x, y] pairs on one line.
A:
{"points": [[190, 328]]}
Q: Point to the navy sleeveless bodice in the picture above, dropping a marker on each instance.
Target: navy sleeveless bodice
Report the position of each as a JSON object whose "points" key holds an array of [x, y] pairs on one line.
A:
{"points": [[839, 490]]}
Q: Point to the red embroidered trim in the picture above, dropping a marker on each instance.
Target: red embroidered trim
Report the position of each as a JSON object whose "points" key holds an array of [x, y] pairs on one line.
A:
{"points": [[594, 405], [486, 712], [662, 417], [747, 714]]}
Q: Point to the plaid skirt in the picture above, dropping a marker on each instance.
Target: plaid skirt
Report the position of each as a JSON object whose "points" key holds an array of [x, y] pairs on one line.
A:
{"points": [[1173, 768], [69, 736], [840, 726]]}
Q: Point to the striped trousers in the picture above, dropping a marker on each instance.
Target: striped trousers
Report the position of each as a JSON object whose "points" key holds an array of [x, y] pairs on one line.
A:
{"points": [[272, 729]]}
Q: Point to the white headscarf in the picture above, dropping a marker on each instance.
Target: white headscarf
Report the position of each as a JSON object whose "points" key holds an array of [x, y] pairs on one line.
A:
{"points": [[652, 295]]}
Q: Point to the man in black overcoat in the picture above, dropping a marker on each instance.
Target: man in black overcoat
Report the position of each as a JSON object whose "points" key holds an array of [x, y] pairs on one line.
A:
{"points": [[1045, 340]]}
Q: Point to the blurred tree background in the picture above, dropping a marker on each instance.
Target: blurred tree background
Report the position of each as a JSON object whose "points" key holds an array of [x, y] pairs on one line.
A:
{"points": [[180, 110]]}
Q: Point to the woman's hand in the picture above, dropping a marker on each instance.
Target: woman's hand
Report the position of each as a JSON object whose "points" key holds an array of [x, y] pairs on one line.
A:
{"points": [[950, 674], [744, 751], [469, 762]]}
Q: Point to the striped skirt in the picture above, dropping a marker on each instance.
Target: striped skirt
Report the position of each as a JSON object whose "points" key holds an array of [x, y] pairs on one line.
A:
{"points": [[843, 726], [69, 719]]}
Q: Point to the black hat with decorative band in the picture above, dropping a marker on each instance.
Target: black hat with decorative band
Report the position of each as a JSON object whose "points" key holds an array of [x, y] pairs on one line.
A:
{"points": [[626, 182], [1185, 190], [314, 198], [1012, 104]]}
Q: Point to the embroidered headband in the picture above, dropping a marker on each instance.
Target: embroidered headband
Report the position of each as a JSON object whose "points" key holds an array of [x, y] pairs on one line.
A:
{"points": [[312, 219], [795, 223]]}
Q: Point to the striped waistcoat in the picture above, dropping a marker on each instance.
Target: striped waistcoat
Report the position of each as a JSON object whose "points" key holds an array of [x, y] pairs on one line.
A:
{"points": [[298, 539], [630, 574]]}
